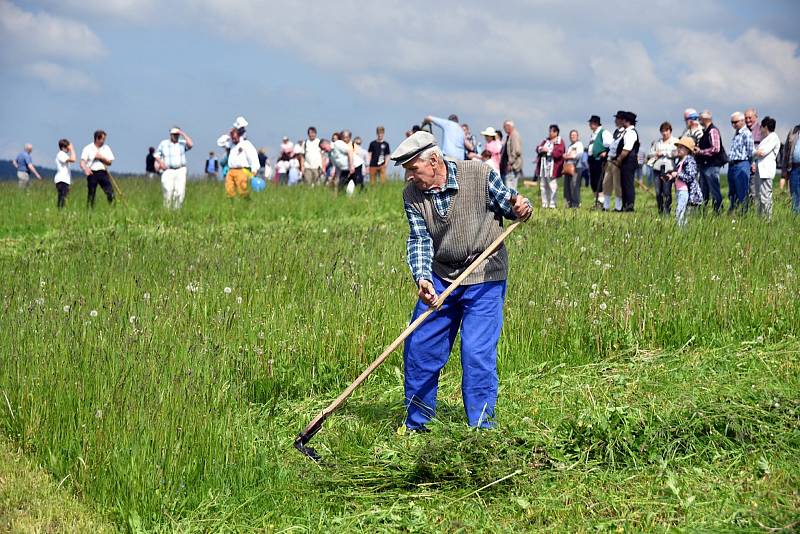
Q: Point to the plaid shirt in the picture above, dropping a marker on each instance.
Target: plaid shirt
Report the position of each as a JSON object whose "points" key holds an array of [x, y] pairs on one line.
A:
{"points": [[173, 155], [419, 247], [742, 146]]}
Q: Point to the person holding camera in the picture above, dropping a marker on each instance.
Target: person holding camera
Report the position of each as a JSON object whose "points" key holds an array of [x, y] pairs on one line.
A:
{"points": [[661, 158]]}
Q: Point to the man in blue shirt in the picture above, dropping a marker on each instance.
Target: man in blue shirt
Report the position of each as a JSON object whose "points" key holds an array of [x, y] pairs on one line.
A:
{"points": [[452, 135], [740, 158], [24, 165]]}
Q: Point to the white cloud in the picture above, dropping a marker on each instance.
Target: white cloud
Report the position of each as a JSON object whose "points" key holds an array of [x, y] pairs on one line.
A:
{"points": [[27, 35], [756, 67], [46, 47], [60, 78]]}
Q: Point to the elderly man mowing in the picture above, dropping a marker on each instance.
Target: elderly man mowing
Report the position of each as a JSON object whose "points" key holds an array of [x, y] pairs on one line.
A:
{"points": [[455, 211]]}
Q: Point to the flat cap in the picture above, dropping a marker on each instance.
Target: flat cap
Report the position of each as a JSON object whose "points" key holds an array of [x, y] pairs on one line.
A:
{"points": [[413, 146]]}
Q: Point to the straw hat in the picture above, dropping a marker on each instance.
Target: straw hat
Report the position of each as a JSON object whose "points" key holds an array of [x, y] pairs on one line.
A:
{"points": [[686, 142], [489, 132]]}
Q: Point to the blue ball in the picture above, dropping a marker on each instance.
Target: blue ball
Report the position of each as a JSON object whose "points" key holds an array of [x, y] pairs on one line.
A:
{"points": [[258, 184]]}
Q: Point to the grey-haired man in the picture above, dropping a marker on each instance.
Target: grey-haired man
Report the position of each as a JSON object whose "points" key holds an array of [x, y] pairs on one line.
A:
{"points": [[455, 211]]}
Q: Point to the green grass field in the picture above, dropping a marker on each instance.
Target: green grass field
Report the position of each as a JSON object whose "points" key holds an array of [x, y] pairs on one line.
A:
{"points": [[159, 366]]}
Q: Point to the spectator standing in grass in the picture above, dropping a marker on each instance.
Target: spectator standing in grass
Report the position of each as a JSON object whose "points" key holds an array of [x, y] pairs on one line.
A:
{"points": [[212, 166], [765, 161], [242, 164], [685, 175], [791, 167], [150, 163], [627, 160], [452, 135], [378, 157], [171, 159], [493, 150], [511, 160], [739, 167], [599, 143], [96, 157], [572, 168], [311, 158], [711, 156], [611, 175], [661, 159], [63, 178], [549, 165], [24, 165]]}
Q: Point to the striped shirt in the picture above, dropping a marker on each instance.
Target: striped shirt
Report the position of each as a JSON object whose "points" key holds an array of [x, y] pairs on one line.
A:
{"points": [[419, 247], [173, 155], [742, 146]]}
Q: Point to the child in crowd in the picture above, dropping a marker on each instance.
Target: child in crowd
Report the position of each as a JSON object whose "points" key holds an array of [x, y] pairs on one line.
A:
{"points": [[294, 169], [685, 176], [63, 179], [282, 169]]}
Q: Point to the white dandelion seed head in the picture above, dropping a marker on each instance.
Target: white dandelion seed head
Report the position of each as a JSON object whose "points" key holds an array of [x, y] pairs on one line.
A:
{"points": [[594, 287], [132, 319], [598, 263], [592, 295], [238, 300], [227, 290], [42, 283], [93, 313], [146, 296], [583, 249], [66, 309], [324, 230], [603, 306]]}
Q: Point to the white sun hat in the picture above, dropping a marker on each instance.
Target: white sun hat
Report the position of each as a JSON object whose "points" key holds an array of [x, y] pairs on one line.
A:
{"points": [[240, 122]]}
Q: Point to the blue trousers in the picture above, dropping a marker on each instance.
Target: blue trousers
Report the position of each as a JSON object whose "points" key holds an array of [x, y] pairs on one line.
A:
{"points": [[709, 183], [738, 185], [794, 187], [478, 311]]}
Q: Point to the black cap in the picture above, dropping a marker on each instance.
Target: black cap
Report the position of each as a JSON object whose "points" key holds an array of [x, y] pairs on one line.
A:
{"points": [[620, 114], [595, 119], [630, 116]]}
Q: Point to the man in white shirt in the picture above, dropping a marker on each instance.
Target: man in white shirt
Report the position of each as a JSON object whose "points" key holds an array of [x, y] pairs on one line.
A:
{"points": [[242, 165], [599, 143], [311, 158], [171, 158], [96, 157], [627, 159]]}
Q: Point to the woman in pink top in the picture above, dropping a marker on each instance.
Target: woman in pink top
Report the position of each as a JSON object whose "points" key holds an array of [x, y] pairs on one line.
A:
{"points": [[492, 150]]}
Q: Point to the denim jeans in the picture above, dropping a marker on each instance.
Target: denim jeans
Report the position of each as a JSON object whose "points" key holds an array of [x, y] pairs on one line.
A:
{"points": [[738, 185], [709, 183], [682, 200], [794, 187]]}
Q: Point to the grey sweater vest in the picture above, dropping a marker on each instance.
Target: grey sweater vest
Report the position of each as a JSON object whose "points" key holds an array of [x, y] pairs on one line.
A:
{"points": [[467, 230]]}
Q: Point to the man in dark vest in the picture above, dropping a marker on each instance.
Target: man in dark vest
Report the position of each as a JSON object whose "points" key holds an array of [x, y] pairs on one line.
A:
{"points": [[710, 155], [455, 211], [626, 159]]}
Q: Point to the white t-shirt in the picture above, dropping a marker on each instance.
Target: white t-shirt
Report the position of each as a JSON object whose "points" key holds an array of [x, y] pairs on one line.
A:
{"points": [[90, 151], [62, 168], [339, 155], [282, 167], [244, 155], [766, 165], [629, 138], [312, 154], [577, 146]]}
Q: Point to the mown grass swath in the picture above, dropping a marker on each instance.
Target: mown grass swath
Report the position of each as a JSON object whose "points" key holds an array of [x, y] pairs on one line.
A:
{"points": [[649, 374]]}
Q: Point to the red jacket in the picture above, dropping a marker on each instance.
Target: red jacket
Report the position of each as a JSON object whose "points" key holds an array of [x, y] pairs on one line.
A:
{"points": [[558, 156]]}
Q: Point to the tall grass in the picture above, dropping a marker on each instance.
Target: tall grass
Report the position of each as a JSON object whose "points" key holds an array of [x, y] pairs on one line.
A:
{"points": [[164, 361]]}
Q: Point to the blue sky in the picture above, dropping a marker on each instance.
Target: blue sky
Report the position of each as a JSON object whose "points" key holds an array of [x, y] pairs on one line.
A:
{"points": [[136, 67]]}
